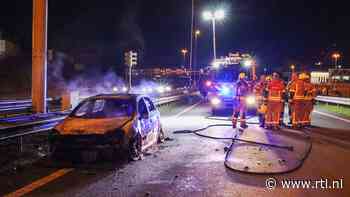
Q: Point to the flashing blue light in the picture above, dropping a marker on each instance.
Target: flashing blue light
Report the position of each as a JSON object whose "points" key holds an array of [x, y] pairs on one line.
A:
{"points": [[225, 90]]}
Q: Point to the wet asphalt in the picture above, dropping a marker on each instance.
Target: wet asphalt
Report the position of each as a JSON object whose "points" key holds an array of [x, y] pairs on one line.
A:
{"points": [[188, 165]]}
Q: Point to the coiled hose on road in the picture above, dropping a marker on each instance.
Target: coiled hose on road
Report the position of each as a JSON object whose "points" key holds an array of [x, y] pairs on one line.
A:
{"points": [[236, 138]]}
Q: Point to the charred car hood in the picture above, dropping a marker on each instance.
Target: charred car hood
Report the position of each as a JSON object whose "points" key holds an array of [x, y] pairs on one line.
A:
{"points": [[82, 126]]}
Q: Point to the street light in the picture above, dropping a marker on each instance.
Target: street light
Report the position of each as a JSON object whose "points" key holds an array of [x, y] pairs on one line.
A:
{"points": [[184, 52], [197, 33], [292, 67], [336, 56], [213, 16]]}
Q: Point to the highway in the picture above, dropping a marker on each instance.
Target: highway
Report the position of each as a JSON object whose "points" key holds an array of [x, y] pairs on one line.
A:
{"points": [[187, 165]]}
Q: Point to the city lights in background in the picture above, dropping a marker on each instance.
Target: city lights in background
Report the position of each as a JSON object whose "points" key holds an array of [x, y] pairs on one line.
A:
{"points": [[248, 63], [184, 51], [336, 57], [215, 64], [292, 67]]}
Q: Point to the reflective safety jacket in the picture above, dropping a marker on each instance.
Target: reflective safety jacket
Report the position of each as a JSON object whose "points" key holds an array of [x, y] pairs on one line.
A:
{"points": [[275, 90], [299, 89], [242, 88], [310, 91], [289, 89]]}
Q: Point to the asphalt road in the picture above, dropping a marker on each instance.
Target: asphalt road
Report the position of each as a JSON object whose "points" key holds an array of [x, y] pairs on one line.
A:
{"points": [[188, 165]]}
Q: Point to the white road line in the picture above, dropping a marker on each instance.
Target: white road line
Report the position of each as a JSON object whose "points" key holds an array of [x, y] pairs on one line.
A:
{"points": [[187, 109], [332, 116]]}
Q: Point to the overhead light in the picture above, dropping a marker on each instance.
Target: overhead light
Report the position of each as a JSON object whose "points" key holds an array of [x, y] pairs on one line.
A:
{"points": [[219, 14], [207, 15], [248, 63], [216, 64]]}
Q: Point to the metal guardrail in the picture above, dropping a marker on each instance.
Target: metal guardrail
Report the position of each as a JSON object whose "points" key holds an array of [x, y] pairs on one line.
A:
{"points": [[52, 121], [334, 100], [16, 106]]}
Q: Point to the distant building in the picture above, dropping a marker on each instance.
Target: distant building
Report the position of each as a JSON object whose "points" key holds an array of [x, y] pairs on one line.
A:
{"points": [[340, 75], [319, 77], [159, 71]]}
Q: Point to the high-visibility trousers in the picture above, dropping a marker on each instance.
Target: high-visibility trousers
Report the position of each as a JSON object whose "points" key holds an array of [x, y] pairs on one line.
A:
{"points": [[261, 109], [309, 106], [301, 110], [273, 113], [239, 109]]}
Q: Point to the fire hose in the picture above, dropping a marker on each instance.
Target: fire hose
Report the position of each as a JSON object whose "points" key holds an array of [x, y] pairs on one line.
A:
{"points": [[236, 138]]}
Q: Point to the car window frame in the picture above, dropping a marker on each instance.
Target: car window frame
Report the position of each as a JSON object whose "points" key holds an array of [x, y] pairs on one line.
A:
{"points": [[138, 107], [72, 113], [151, 104]]}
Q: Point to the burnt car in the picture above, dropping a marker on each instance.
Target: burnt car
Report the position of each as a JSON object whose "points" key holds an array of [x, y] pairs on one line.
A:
{"points": [[127, 122]]}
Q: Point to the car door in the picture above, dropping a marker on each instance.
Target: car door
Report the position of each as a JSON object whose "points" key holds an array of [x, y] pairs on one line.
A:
{"points": [[144, 119], [153, 114]]}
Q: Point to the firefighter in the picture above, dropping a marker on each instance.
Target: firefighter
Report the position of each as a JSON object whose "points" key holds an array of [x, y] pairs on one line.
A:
{"points": [[310, 94], [290, 95], [242, 90], [259, 91], [299, 101], [274, 102]]}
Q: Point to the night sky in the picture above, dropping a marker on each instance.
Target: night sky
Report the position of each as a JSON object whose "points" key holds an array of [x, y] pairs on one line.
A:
{"points": [[277, 32]]}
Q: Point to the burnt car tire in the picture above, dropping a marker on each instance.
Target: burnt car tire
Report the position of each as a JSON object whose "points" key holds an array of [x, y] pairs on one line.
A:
{"points": [[161, 136], [135, 147]]}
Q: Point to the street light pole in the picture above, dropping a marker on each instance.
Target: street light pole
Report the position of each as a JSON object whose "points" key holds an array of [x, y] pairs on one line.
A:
{"points": [[196, 34], [213, 17], [191, 47], [214, 38], [39, 56]]}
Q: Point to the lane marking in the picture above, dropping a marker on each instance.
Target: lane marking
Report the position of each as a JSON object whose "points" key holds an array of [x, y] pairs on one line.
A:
{"points": [[59, 173], [332, 116], [39, 183], [187, 109]]}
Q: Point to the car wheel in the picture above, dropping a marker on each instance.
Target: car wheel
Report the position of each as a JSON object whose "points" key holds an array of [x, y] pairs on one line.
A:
{"points": [[161, 136], [135, 147]]}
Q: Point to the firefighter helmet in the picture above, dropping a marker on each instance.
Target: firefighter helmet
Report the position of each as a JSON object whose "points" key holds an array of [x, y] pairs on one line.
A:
{"points": [[303, 76], [269, 78], [241, 75]]}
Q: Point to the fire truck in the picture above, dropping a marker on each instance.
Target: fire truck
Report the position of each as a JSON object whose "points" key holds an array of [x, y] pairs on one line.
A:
{"points": [[221, 83]]}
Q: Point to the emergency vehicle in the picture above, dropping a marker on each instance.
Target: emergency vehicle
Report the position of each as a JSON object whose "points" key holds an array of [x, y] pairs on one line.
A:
{"points": [[221, 89]]}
